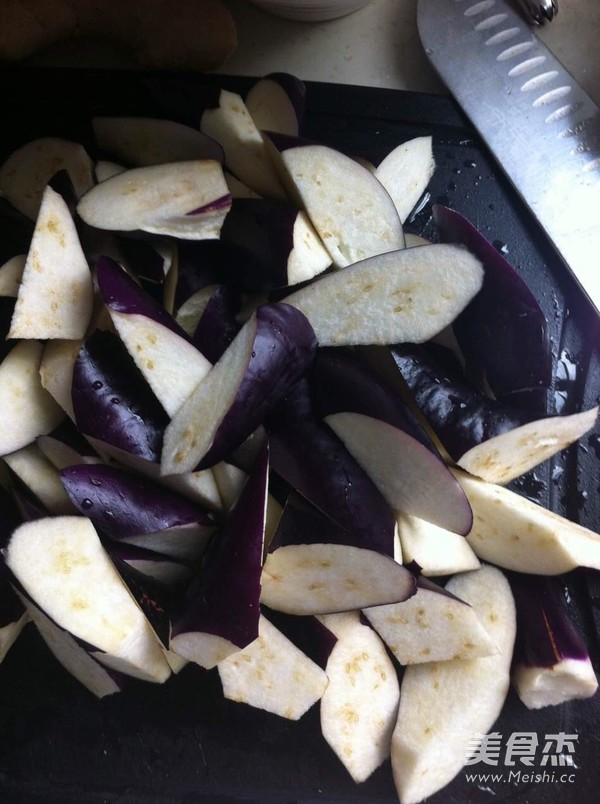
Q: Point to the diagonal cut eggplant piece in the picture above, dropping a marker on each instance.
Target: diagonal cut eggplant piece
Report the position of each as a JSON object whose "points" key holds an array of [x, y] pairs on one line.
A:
{"points": [[11, 273], [111, 400], [431, 626], [310, 457], [350, 209], [435, 550], [27, 171], [551, 663], [27, 408], [443, 705], [410, 478], [396, 297], [271, 673], [62, 566], [99, 680], [217, 325], [405, 173], [231, 125], [171, 365], [269, 354], [41, 478], [517, 534], [484, 436], [221, 613], [56, 293], [501, 324], [359, 708], [277, 102], [143, 141], [308, 634], [137, 510], [183, 199], [315, 567]]}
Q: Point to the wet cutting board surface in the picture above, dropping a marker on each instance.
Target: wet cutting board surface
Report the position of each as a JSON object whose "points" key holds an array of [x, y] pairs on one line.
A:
{"points": [[182, 741]]}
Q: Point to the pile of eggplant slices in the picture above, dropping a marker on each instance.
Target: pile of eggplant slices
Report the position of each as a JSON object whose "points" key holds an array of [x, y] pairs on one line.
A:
{"points": [[244, 425]]}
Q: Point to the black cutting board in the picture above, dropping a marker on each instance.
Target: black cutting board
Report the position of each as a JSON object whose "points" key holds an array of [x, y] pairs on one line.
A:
{"points": [[182, 742]]}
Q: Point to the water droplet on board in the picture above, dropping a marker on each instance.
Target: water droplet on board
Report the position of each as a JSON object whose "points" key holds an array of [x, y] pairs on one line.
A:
{"points": [[470, 163], [566, 374], [501, 247], [557, 473]]}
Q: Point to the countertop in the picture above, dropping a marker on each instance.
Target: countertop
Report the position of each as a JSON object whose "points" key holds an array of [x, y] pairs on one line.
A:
{"points": [[376, 46]]}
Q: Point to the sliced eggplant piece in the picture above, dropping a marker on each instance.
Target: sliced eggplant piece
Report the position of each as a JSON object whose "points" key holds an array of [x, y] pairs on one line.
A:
{"points": [[351, 211], [11, 273], [501, 324], [405, 173], [271, 673], [435, 550], [40, 477], [144, 141], [56, 293], [272, 350], [315, 567], [138, 511], [485, 437], [99, 680], [308, 634], [171, 365], [27, 408], [221, 614], [359, 707], [231, 125], [217, 326], [277, 103], [112, 402], [431, 626], [56, 371], [444, 704], [517, 534], [183, 199], [105, 169], [63, 568], [164, 569], [27, 171], [400, 296], [551, 663]]}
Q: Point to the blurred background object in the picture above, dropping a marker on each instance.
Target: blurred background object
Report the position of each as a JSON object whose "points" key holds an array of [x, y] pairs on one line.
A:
{"points": [[310, 10]]}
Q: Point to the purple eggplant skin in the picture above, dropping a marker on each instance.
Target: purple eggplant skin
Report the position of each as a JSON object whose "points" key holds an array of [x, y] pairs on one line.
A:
{"points": [[501, 324], [113, 402], [311, 458], [143, 258], [16, 231], [460, 416], [546, 634], [342, 380], [263, 230], [306, 632], [302, 523], [284, 348], [122, 504], [214, 206], [218, 324], [121, 294], [224, 600]]}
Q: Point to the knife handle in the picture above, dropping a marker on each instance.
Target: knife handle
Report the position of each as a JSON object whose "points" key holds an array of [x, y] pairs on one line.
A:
{"points": [[540, 10]]}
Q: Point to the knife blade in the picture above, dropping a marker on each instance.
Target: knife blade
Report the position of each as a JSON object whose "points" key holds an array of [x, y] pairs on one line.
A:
{"points": [[540, 125]]}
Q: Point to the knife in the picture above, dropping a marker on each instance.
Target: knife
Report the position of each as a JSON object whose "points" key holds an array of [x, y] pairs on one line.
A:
{"points": [[540, 125]]}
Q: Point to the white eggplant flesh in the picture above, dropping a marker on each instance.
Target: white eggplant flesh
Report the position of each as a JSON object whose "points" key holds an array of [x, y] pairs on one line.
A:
{"points": [[63, 568], [182, 199], [445, 705], [271, 673], [431, 626], [517, 534], [567, 680], [351, 211], [402, 296], [325, 578], [409, 476], [105, 169], [405, 173], [56, 372], [27, 408], [232, 126], [56, 293], [27, 171], [359, 708], [436, 550]]}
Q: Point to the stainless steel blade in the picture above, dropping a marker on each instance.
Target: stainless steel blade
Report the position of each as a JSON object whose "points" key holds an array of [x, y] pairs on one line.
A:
{"points": [[543, 129]]}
